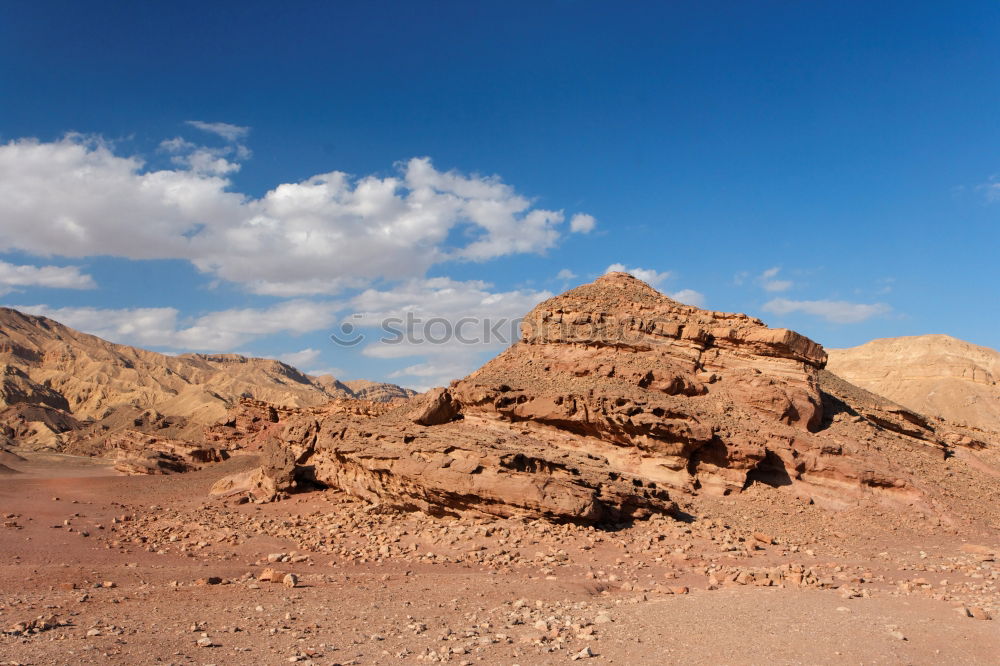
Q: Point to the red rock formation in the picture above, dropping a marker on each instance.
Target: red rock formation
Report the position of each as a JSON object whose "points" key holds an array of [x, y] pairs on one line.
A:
{"points": [[615, 397], [138, 452]]}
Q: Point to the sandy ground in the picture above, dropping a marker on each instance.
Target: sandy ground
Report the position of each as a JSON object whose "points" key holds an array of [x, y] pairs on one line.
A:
{"points": [[96, 567]]}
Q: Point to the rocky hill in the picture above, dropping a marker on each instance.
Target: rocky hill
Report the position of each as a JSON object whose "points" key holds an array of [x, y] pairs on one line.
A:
{"points": [[937, 375], [616, 402], [54, 378]]}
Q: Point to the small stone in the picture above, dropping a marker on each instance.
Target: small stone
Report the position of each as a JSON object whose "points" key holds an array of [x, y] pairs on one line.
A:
{"points": [[979, 613], [585, 653], [205, 642], [602, 618], [290, 580]]}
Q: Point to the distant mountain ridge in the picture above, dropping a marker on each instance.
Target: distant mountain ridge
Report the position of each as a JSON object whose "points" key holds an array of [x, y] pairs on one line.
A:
{"points": [[937, 375], [73, 376]]}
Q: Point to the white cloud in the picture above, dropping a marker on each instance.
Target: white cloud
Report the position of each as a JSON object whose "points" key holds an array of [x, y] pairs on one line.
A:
{"points": [[689, 297], [305, 287], [581, 223], [455, 326], [445, 297], [565, 274], [647, 275], [337, 373], [223, 330], [300, 359], [840, 312], [227, 131], [208, 161], [778, 285], [769, 283], [75, 197], [202, 159], [441, 316], [428, 375], [144, 326], [13, 276]]}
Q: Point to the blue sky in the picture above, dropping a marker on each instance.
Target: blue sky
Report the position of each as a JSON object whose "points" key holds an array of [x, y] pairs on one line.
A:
{"points": [[247, 176]]}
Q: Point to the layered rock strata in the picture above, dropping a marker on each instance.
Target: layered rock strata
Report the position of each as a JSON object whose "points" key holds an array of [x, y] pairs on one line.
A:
{"points": [[615, 401]]}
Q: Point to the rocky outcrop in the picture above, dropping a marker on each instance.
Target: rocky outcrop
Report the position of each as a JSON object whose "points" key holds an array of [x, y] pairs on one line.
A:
{"points": [[936, 375], [16, 387], [37, 426], [363, 389], [615, 401], [137, 452]]}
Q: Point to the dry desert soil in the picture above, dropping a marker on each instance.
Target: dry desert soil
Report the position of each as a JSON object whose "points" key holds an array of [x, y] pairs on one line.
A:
{"points": [[101, 568]]}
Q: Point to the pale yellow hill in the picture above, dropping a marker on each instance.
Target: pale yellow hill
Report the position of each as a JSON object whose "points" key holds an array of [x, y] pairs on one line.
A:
{"points": [[936, 375]]}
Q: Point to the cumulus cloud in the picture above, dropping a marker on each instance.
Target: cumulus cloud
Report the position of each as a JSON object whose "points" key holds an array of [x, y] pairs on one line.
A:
{"points": [[689, 297], [454, 325], [13, 277], [565, 274], [647, 275], [581, 223], [219, 331], [202, 159], [300, 359], [468, 315], [75, 197], [424, 376], [839, 312], [227, 131]]}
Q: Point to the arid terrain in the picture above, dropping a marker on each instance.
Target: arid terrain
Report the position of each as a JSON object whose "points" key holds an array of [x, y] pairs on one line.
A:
{"points": [[634, 481]]}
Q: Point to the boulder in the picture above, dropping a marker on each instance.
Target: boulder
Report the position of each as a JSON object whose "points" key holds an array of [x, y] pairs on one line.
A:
{"points": [[435, 407]]}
